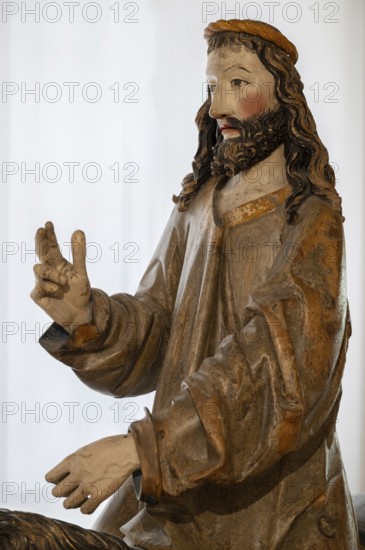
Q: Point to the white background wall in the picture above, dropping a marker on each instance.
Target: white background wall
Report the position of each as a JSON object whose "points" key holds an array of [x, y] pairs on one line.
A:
{"points": [[160, 55]]}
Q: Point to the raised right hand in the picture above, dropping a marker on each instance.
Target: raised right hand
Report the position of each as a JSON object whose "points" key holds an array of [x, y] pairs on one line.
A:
{"points": [[62, 289]]}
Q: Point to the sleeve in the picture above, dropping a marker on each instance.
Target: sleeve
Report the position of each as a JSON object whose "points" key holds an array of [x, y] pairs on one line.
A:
{"points": [[121, 350], [270, 388]]}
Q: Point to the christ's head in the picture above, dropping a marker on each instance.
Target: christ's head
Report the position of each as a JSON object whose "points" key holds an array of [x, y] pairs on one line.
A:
{"points": [[256, 103]]}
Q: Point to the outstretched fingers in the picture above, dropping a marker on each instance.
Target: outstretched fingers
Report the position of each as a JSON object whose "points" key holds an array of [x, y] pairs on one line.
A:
{"points": [[69, 485], [47, 248]]}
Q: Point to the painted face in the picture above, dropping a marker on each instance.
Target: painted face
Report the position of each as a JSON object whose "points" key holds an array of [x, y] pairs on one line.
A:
{"points": [[240, 86]]}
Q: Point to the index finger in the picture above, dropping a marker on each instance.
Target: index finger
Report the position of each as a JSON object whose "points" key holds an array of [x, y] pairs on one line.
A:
{"points": [[59, 472]]}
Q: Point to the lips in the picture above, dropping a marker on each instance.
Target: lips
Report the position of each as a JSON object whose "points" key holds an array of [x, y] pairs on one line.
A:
{"points": [[223, 127], [227, 129]]}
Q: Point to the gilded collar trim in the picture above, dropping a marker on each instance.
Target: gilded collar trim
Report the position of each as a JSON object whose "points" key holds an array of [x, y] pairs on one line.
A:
{"points": [[257, 207]]}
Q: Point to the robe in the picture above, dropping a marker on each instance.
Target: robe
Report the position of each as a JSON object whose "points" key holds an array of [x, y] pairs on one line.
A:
{"points": [[241, 325]]}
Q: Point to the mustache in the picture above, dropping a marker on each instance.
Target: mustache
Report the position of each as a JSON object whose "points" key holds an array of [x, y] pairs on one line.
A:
{"points": [[259, 135], [233, 123], [252, 125]]}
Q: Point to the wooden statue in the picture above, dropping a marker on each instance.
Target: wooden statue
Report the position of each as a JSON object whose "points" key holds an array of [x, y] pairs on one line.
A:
{"points": [[240, 324]]}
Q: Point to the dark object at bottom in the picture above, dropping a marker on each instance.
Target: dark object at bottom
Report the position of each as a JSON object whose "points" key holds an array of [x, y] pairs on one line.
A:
{"points": [[27, 531]]}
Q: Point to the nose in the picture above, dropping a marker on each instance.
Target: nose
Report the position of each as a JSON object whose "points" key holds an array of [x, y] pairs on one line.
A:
{"points": [[221, 106]]}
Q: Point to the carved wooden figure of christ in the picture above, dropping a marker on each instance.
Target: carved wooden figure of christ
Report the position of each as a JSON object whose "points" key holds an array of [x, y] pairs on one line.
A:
{"points": [[240, 323]]}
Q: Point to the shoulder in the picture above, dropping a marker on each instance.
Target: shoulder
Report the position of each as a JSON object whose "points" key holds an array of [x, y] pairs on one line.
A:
{"points": [[317, 220]]}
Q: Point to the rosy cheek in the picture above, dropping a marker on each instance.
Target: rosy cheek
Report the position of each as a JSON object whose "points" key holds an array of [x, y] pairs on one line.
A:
{"points": [[251, 104]]}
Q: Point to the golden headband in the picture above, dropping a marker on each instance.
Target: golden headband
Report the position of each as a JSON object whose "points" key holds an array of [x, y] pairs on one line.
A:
{"points": [[255, 28]]}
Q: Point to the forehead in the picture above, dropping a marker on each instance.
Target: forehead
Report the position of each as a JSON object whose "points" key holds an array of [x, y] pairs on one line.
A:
{"points": [[229, 58]]}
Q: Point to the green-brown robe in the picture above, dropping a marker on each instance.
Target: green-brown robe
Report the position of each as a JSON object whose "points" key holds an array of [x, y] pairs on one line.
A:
{"points": [[241, 325]]}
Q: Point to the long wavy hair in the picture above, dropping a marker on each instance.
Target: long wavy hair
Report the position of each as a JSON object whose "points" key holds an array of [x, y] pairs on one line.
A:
{"points": [[307, 163]]}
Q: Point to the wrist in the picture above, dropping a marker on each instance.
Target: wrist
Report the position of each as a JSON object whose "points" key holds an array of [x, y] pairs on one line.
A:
{"points": [[79, 319], [133, 457]]}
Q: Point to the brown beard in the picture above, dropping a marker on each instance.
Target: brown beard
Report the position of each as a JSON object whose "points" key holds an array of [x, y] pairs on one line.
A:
{"points": [[260, 135]]}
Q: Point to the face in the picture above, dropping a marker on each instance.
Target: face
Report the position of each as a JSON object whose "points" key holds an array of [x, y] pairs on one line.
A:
{"points": [[240, 86]]}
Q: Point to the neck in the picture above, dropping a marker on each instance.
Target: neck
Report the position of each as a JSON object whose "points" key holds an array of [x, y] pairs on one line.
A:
{"points": [[261, 179]]}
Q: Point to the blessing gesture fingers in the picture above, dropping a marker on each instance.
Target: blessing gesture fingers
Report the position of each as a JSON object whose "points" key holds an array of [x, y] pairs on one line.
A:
{"points": [[62, 289]]}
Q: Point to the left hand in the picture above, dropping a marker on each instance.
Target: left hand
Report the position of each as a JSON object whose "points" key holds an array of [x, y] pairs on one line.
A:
{"points": [[94, 472]]}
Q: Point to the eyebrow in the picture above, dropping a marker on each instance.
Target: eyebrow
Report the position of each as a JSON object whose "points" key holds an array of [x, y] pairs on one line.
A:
{"points": [[237, 66], [233, 67]]}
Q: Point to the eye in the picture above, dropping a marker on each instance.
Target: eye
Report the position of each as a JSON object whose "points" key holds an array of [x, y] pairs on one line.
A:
{"points": [[238, 83], [211, 88]]}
